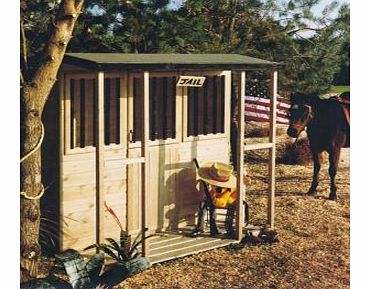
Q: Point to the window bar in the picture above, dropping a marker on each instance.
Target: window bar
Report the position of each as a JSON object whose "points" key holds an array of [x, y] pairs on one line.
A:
{"points": [[165, 108], [222, 92], [173, 102], [77, 114], [118, 111], [196, 115], [160, 109], [200, 109], [112, 111], [205, 107], [153, 111], [107, 104], [190, 113], [94, 95], [82, 113], [72, 130], [88, 111], [215, 102]]}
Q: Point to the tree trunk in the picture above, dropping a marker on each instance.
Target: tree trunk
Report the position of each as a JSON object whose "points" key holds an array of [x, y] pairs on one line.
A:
{"points": [[34, 94]]}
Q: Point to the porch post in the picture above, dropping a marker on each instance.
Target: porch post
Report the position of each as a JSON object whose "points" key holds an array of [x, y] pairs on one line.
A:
{"points": [[99, 158], [272, 150], [145, 165], [240, 156]]}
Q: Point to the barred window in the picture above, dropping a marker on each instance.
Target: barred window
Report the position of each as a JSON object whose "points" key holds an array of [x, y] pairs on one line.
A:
{"points": [[162, 108], [206, 113], [83, 115]]}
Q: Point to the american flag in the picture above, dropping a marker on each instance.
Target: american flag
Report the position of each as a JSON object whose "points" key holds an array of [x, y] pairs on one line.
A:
{"points": [[258, 109]]}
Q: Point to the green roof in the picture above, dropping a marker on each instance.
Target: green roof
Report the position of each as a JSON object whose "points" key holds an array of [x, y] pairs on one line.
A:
{"points": [[128, 61]]}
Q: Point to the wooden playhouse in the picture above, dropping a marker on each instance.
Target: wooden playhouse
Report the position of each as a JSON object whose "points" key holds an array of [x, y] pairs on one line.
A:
{"points": [[124, 129]]}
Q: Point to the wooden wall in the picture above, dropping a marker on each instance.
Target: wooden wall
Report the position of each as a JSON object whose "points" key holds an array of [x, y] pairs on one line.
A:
{"points": [[173, 199], [78, 198]]}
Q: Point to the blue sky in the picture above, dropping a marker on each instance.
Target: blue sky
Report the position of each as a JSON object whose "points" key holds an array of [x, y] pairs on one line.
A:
{"points": [[317, 9]]}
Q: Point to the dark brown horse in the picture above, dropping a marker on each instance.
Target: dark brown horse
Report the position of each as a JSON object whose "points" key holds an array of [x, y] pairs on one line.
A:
{"points": [[327, 130]]}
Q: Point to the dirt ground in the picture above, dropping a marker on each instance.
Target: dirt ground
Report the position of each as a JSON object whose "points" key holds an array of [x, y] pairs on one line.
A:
{"points": [[313, 251]]}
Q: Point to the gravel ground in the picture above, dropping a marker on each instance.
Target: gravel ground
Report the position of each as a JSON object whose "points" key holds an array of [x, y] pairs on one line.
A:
{"points": [[313, 251]]}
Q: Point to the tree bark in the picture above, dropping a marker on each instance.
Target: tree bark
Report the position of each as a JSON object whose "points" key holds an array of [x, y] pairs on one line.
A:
{"points": [[34, 95]]}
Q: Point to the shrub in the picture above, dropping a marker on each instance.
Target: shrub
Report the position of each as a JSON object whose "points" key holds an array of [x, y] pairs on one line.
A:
{"points": [[262, 131], [297, 153]]}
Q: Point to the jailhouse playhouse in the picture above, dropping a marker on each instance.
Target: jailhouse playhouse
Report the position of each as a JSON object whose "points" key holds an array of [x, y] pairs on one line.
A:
{"points": [[124, 129]]}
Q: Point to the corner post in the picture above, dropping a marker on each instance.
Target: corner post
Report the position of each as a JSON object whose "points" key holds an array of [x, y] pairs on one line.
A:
{"points": [[145, 165], [99, 159], [240, 156], [272, 150]]}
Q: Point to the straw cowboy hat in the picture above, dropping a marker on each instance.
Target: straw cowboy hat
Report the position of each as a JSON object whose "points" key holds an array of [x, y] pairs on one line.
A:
{"points": [[217, 174]]}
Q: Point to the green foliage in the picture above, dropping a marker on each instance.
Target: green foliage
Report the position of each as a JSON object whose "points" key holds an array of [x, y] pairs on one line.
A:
{"points": [[314, 49], [339, 89], [123, 251]]}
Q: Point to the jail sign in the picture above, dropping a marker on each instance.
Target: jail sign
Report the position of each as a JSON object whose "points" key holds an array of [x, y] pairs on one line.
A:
{"points": [[191, 81]]}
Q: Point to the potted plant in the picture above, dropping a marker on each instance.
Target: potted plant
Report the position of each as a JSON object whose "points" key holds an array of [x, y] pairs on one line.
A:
{"points": [[129, 259]]}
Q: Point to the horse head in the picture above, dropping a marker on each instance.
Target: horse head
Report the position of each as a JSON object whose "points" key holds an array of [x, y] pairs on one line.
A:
{"points": [[300, 114]]}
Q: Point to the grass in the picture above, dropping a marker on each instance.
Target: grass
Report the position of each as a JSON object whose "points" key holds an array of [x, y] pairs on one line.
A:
{"points": [[339, 89]]}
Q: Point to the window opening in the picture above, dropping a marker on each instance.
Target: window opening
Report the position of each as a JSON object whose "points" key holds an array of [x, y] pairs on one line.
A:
{"points": [[83, 114], [162, 108], [206, 107]]}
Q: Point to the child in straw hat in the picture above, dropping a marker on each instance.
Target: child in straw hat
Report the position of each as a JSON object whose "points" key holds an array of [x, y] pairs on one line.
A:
{"points": [[221, 185]]}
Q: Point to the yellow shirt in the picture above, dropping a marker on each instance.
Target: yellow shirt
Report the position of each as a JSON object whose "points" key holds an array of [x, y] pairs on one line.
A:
{"points": [[223, 197]]}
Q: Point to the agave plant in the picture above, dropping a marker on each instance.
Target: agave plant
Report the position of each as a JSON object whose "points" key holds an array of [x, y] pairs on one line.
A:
{"points": [[124, 250]]}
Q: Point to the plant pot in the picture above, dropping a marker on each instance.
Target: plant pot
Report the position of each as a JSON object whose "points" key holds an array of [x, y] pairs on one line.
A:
{"points": [[114, 275], [137, 265]]}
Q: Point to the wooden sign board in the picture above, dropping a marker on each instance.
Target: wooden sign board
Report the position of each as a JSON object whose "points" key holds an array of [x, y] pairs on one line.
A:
{"points": [[191, 81]]}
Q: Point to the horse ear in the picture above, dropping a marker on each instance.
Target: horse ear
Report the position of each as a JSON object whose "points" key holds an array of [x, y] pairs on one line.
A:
{"points": [[293, 97]]}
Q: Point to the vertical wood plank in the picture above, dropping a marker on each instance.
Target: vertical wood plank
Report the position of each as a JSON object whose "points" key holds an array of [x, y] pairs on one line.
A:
{"points": [[89, 106], [160, 108], [123, 102], [61, 153], [100, 159], [189, 109], [67, 116], [145, 165], [227, 103], [200, 109], [219, 116], [272, 150], [240, 154], [113, 111], [181, 114], [130, 107], [76, 114]]}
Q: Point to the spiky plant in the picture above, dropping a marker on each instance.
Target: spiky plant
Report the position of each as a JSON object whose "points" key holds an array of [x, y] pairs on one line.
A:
{"points": [[124, 250]]}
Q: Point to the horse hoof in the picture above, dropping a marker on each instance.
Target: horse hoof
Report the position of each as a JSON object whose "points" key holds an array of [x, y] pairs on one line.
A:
{"points": [[311, 193], [332, 197]]}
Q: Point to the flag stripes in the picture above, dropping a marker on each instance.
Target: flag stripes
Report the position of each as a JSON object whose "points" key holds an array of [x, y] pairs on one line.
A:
{"points": [[258, 109]]}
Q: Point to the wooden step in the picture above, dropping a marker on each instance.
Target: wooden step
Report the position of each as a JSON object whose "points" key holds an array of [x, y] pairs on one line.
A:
{"points": [[180, 246]]}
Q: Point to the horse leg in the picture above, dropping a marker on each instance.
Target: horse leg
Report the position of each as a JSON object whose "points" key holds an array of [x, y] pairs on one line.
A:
{"points": [[316, 170], [333, 167]]}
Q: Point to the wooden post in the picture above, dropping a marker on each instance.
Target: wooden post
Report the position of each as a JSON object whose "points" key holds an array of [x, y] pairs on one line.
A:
{"points": [[99, 165], [145, 165], [272, 150], [61, 154], [240, 156]]}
